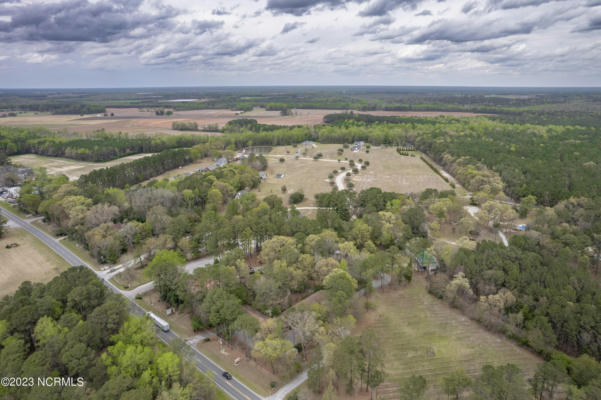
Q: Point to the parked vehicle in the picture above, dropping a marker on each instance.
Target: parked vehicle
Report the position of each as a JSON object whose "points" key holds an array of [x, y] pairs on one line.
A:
{"points": [[161, 323]]}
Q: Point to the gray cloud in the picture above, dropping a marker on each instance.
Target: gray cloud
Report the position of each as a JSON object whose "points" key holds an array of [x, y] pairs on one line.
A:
{"points": [[469, 7], [375, 26], [460, 31], [423, 13], [220, 11], [594, 24], [510, 4], [311, 41], [300, 7], [80, 21], [199, 27], [378, 8], [268, 51], [233, 49], [290, 26]]}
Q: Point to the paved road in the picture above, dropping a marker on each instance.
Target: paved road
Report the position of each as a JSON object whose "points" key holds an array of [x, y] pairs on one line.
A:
{"points": [[233, 388], [199, 263]]}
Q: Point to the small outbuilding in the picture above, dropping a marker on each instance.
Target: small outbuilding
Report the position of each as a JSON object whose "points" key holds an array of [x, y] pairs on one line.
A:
{"points": [[426, 261]]}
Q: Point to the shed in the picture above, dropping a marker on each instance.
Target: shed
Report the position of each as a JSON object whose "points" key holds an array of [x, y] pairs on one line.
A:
{"points": [[426, 262]]}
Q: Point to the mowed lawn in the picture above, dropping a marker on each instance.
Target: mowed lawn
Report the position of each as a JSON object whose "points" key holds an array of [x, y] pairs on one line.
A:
{"points": [[392, 172], [421, 335], [63, 166], [32, 261]]}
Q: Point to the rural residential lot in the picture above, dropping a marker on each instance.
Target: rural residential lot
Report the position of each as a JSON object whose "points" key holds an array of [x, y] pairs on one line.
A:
{"points": [[429, 256]]}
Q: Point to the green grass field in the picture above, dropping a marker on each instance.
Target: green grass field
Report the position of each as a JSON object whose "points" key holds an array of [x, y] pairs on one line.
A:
{"points": [[424, 336], [387, 170], [32, 261]]}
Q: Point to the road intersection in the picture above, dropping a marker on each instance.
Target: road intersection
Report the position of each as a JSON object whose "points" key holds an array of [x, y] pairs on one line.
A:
{"points": [[233, 388]]}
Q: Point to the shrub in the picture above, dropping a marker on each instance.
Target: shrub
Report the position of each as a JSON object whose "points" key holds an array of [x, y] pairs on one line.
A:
{"points": [[282, 159], [197, 324], [297, 197]]}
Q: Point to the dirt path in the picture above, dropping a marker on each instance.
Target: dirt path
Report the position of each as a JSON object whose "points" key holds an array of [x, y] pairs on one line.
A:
{"points": [[340, 178]]}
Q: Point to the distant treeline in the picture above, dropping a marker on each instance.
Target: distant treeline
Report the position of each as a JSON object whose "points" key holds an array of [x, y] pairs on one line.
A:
{"points": [[55, 108], [184, 126], [98, 147], [248, 124], [340, 118]]}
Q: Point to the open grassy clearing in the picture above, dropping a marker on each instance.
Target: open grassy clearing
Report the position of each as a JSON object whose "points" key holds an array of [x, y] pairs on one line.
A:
{"points": [[73, 169], [307, 175], [387, 170], [394, 173], [424, 336], [32, 261]]}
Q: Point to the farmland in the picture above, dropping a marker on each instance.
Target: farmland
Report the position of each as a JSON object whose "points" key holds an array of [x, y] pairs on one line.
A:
{"points": [[424, 336], [144, 120], [73, 169], [31, 260]]}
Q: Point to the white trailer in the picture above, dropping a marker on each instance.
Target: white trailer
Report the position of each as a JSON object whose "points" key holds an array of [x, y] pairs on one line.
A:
{"points": [[161, 323]]}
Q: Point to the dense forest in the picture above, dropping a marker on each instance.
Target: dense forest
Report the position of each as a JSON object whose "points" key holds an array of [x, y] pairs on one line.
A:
{"points": [[139, 170], [97, 147], [74, 327], [552, 163]]}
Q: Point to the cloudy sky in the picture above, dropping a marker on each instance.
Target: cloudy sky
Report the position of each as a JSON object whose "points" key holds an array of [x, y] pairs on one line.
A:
{"points": [[133, 43]]}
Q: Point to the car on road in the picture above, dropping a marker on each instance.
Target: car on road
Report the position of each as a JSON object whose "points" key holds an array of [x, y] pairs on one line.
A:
{"points": [[227, 375]]}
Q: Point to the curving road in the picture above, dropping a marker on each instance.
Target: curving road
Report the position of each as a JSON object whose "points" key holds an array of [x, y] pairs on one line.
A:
{"points": [[234, 389]]}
